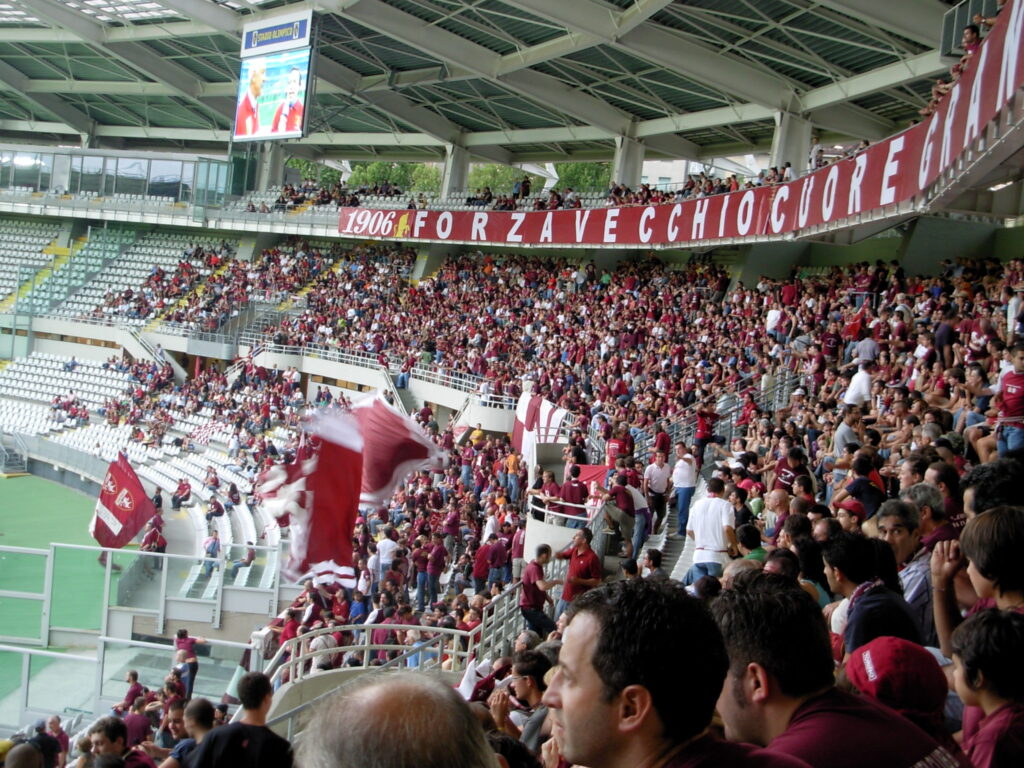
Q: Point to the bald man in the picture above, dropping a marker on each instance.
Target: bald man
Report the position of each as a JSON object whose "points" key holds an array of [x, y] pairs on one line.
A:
{"points": [[438, 729]]}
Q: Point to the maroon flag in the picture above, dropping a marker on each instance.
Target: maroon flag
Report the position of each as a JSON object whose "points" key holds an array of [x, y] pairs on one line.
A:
{"points": [[394, 447], [321, 497], [122, 508]]}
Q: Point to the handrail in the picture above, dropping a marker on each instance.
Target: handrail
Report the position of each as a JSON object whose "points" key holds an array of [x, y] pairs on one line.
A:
{"points": [[162, 646], [501, 621], [45, 654]]}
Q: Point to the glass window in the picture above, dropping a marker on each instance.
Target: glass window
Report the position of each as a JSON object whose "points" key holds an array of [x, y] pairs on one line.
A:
{"points": [[187, 173], [132, 176], [45, 172], [5, 169], [109, 175], [165, 178], [75, 175], [26, 170], [92, 174]]}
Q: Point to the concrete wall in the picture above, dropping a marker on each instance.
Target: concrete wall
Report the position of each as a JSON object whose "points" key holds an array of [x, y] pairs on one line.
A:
{"points": [[885, 247], [933, 239], [1008, 243]]}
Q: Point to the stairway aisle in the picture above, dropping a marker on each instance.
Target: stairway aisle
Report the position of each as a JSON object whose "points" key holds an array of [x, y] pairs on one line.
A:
{"points": [[677, 554]]}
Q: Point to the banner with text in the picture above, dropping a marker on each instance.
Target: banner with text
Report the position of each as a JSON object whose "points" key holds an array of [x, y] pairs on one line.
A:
{"points": [[891, 171]]}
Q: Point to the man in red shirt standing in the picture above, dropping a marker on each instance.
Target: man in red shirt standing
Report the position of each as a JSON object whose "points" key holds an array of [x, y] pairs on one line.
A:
{"points": [[535, 593], [437, 561], [574, 493], [585, 571], [1010, 401], [615, 448]]}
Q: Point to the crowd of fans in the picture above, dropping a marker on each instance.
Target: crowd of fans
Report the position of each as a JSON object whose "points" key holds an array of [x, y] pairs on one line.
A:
{"points": [[162, 290], [875, 500]]}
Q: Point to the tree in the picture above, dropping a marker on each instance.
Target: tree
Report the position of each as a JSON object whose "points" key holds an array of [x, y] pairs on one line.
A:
{"points": [[309, 169], [368, 174], [425, 178], [500, 178], [584, 177]]}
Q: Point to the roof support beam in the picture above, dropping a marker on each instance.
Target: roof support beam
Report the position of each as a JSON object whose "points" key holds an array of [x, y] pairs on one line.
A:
{"points": [[917, 20], [137, 55], [446, 46], [54, 105]]}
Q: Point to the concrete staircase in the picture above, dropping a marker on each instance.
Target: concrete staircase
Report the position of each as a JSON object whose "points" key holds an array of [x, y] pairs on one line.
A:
{"points": [[61, 256]]}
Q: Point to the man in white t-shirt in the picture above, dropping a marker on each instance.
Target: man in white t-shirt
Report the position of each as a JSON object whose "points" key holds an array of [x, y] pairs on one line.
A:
{"points": [[684, 484], [386, 548], [859, 391], [712, 526]]}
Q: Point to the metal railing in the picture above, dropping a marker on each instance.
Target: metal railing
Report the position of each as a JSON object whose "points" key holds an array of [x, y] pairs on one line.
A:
{"points": [[958, 17], [592, 512], [294, 661]]}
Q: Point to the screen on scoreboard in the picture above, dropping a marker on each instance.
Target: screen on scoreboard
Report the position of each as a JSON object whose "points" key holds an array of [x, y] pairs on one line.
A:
{"points": [[273, 93]]}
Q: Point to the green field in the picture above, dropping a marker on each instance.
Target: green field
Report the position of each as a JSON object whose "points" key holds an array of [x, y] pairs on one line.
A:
{"points": [[33, 513]]}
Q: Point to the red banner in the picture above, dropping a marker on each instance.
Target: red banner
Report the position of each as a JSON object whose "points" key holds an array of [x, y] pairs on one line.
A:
{"points": [[122, 508], [892, 171]]}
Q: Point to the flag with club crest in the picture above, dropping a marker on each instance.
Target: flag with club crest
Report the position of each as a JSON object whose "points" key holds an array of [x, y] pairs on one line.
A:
{"points": [[123, 506]]}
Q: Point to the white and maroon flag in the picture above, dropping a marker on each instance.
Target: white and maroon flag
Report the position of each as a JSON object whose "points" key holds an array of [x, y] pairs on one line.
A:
{"points": [[320, 496], [394, 447], [204, 432], [122, 508]]}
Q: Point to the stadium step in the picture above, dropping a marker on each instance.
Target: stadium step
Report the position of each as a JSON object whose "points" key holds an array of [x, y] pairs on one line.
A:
{"points": [[61, 256]]}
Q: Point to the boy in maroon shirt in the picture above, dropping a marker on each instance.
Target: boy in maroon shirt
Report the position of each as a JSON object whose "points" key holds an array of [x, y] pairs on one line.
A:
{"points": [[988, 674]]}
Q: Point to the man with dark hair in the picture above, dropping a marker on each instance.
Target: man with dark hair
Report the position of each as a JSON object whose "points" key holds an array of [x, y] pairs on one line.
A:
{"points": [[135, 690], [47, 745], [528, 670], [994, 484], [613, 700], [108, 736], [199, 719], [247, 743], [899, 524], [781, 691], [912, 470], [574, 494], [874, 609], [945, 477], [653, 562], [749, 538], [585, 570], [534, 594]]}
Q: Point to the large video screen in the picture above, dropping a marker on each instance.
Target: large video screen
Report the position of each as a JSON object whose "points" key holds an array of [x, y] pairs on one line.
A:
{"points": [[273, 91]]}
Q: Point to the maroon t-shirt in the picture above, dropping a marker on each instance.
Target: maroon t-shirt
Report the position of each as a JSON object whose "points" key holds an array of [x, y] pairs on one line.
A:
{"points": [[481, 561], [840, 730], [435, 563], [999, 740], [581, 566], [532, 595], [138, 727], [711, 752]]}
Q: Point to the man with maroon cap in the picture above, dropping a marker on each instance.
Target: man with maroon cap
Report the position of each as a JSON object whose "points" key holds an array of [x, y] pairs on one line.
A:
{"points": [[905, 677]]}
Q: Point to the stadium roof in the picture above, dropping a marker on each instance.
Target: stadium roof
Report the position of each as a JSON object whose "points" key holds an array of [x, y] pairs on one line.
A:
{"points": [[512, 81]]}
